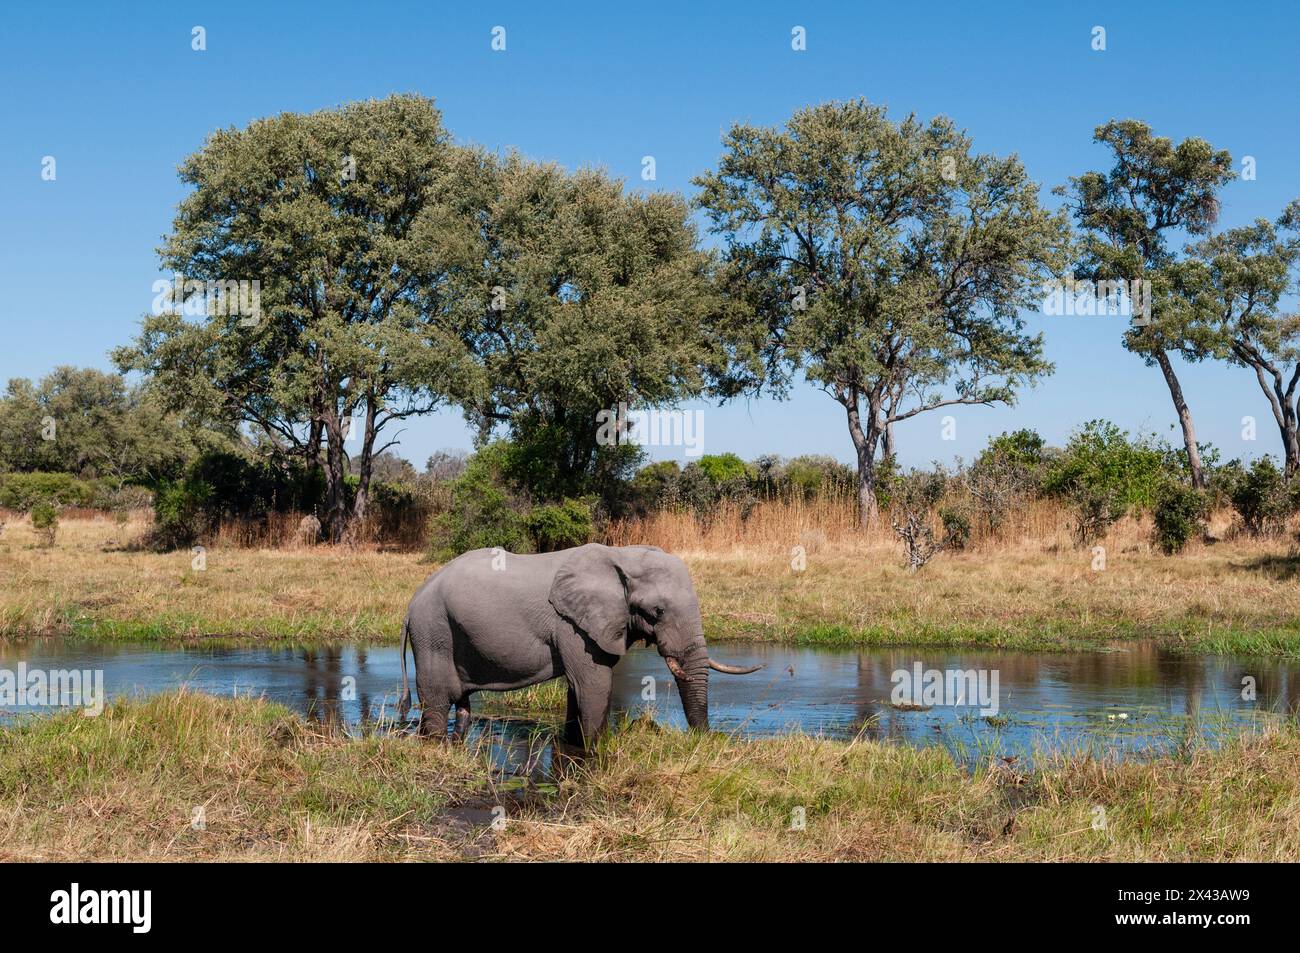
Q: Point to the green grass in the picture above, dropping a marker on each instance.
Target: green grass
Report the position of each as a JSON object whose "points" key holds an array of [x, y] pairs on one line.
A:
{"points": [[127, 785]]}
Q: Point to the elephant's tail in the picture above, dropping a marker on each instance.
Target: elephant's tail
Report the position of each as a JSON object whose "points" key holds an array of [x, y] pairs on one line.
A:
{"points": [[404, 703]]}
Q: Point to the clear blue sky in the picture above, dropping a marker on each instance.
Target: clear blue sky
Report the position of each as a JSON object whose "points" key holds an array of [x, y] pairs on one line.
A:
{"points": [[116, 94]]}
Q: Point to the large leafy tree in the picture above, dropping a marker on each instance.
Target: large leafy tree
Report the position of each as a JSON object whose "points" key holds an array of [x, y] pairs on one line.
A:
{"points": [[1154, 189], [348, 219], [886, 260], [578, 296], [91, 423], [1228, 294]]}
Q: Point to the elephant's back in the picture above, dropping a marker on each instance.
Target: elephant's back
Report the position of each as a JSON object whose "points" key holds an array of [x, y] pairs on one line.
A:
{"points": [[486, 584]]}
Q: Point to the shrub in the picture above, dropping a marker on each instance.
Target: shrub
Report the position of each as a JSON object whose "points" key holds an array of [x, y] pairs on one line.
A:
{"points": [[805, 477], [560, 525], [912, 498], [656, 486], [23, 491], [1260, 495], [1006, 473], [45, 521], [956, 528], [1104, 475], [1179, 512], [180, 514], [483, 513], [723, 468]]}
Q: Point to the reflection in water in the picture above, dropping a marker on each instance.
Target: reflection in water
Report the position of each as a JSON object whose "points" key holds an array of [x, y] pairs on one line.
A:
{"points": [[1119, 703]]}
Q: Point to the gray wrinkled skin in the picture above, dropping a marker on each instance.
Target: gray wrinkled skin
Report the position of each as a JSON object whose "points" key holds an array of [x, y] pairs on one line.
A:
{"points": [[572, 613]]}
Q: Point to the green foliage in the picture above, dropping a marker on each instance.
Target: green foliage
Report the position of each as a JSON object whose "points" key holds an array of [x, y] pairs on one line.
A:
{"points": [[45, 521], [956, 527], [1104, 476], [881, 258], [1008, 472], [353, 221], [560, 525], [655, 486], [805, 477], [91, 424], [483, 513], [1025, 449], [722, 468], [1178, 513], [23, 491], [606, 302], [181, 515], [1260, 495]]}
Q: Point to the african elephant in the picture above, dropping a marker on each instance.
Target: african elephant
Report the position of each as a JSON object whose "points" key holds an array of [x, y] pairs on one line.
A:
{"points": [[491, 620]]}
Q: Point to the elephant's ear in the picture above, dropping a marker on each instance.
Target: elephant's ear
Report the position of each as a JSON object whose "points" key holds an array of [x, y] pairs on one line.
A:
{"points": [[589, 590]]}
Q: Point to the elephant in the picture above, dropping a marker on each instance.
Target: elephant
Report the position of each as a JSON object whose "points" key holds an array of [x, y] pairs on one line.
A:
{"points": [[494, 621]]}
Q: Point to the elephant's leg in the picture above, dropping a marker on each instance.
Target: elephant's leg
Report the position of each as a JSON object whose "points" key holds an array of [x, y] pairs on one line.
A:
{"points": [[462, 719], [594, 693], [435, 698], [572, 724]]}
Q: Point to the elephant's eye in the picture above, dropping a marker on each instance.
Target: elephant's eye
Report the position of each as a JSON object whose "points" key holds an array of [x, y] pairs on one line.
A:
{"points": [[659, 612]]}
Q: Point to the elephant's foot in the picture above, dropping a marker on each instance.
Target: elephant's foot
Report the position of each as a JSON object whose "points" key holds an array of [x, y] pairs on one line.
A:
{"points": [[462, 720]]}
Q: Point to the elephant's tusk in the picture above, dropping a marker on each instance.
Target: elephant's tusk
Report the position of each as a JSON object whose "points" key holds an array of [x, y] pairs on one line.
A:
{"points": [[732, 669], [679, 673]]}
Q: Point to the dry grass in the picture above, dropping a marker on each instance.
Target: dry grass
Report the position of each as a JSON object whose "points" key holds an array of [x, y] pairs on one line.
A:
{"points": [[127, 785], [1032, 589]]}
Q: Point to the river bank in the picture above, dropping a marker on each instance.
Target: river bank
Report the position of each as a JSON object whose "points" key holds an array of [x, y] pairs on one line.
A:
{"points": [[189, 777], [1234, 597]]}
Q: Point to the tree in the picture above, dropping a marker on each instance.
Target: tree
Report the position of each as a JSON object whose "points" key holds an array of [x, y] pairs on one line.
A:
{"points": [[91, 423], [1229, 290], [887, 261], [1153, 187], [347, 219], [579, 297]]}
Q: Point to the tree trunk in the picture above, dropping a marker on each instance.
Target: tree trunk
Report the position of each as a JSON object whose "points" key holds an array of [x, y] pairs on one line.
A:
{"points": [[1184, 418], [336, 501], [1284, 411], [864, 443], [364, 468]]}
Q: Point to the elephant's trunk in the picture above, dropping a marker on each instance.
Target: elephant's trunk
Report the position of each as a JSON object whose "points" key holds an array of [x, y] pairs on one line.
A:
{"points": [[692, 677]]}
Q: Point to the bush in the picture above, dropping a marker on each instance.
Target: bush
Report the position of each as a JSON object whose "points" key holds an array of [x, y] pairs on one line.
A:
{"points": [[560, 526], [1179, 513], [723, 468], [805, 477], [1007, 472], [180, 514], [956, 528], [482, 515], [23, 491], [1260, 495], [45, 521], [1104, 476], [912, 498]]}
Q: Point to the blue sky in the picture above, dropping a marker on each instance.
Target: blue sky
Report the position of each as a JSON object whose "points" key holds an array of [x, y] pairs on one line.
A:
{"points": [[116, 94]]}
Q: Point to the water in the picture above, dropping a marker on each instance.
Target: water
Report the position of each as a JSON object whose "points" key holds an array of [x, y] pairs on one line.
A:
{"points": [[1133, 701]]}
